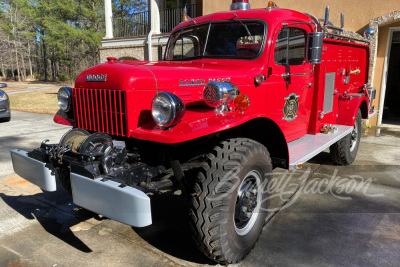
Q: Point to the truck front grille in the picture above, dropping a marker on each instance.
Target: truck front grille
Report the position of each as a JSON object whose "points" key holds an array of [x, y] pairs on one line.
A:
{"points": [[100, 110]]}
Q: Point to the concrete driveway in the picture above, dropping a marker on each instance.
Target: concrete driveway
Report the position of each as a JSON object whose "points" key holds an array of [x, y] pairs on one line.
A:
{"points": [[324, 215]]}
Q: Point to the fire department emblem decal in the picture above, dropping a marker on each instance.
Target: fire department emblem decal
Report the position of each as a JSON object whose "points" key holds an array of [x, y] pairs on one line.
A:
{"points": [[291, 107]]}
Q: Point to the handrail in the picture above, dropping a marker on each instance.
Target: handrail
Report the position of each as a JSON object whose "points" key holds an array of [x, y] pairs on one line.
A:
{"points": [[346, 37]]}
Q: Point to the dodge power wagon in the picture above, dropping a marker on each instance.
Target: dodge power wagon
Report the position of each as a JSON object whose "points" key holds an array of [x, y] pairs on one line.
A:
{"points": [[237, 94]]}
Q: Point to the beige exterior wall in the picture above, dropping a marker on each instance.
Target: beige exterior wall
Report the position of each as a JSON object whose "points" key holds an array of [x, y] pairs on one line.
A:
{"points": [[357, 14], [380, 62]]}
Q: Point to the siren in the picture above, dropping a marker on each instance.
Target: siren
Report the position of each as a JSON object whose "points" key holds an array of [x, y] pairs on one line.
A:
{"points": [[185, 15], [240, 5]]}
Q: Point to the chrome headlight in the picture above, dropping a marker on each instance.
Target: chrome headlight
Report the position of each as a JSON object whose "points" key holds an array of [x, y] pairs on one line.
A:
{"points": [[167, 109], [220, 94], [3, 95], [64, 98]]}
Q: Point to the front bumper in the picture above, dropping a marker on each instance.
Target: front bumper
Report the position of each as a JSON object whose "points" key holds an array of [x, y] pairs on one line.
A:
{"points": [[34, 171], [124, 204]]}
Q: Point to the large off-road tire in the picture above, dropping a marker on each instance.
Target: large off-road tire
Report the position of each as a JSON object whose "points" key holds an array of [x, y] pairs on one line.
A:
{"points": [[229, 203], [344, 151]]}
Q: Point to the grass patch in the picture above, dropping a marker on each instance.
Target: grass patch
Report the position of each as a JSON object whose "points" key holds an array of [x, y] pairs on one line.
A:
{"points": [[41, 101]]}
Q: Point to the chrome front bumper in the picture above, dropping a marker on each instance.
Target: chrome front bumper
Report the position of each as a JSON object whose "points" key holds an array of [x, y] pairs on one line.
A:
{"points": [[124, 204]]}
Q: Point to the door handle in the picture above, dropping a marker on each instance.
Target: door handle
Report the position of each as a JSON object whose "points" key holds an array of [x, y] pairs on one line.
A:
{"points": [[309, 85]]}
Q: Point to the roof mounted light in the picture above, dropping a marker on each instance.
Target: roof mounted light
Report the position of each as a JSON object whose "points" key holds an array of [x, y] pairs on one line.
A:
{"points": [[240, 5], [271, 5]]}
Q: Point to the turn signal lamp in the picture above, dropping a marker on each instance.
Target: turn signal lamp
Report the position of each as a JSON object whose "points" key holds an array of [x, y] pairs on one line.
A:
{"points": [[242, 102]]}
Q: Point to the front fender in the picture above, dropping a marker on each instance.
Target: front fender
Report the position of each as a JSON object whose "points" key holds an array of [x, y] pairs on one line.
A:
{"points": [[349, 107], [64, 118], [194, 125]]}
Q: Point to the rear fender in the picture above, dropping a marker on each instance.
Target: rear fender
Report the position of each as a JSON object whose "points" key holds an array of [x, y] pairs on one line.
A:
{"points": [[349, 107]]}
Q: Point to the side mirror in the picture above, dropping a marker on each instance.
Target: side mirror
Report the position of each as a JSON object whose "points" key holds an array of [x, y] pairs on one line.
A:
{"points": [[160, 52], [3, 85], [369, 33], [315, 41]]}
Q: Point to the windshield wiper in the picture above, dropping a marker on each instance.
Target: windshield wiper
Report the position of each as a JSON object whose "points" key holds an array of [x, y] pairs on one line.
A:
{"points": [[244, 25]]}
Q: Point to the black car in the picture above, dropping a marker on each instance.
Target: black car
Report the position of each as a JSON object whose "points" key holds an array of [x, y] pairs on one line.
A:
{"points": [[5, 113]]}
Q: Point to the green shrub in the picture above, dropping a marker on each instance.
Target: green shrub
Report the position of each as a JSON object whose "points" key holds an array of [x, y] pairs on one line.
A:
{"points": [[63, 77]]}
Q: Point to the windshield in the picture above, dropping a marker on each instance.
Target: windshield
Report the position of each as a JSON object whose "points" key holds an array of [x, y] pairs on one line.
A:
{"points": [[218, 40]]}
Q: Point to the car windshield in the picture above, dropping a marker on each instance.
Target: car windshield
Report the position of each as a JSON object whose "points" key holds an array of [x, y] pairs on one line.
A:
{"points": [[234, 39]]}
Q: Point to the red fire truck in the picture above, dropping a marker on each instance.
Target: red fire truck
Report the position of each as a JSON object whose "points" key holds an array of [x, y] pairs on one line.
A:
{"points": [[238, 93]]}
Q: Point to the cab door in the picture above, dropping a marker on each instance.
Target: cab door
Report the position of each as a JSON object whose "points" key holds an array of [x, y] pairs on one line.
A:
{"points": [[291, 80]]}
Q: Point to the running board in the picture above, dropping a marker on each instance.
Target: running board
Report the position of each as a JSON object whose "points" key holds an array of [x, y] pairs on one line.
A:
{"points": [[307, 147]]}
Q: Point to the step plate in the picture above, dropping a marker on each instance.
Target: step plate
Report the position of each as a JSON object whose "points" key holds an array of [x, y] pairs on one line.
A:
{"points": [[307, 147]]}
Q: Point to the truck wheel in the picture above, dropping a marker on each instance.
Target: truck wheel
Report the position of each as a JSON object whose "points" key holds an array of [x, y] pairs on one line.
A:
{"points": [[344, 152], [229, 204], [64, 178]]}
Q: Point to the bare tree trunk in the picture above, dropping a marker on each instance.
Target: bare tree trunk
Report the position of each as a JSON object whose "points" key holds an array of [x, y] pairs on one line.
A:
{"points": [[53, 76], [16, 61], [3, 71], [23, 67], [44, 59], [15, 46], [38, 58], [30, 60]]}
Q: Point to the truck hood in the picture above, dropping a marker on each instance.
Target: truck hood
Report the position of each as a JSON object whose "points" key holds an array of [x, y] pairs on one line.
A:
{"points": [[163, 75]]}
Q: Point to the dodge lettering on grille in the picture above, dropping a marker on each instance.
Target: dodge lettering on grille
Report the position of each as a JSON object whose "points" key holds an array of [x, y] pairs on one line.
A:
{"points": [[96, 78]]}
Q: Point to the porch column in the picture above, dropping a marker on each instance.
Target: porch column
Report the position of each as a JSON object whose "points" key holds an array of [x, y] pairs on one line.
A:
{"points": [[156, 17], [108, 19]]}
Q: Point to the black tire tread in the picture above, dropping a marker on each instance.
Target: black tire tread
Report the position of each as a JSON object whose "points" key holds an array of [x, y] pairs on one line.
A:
{"points": [[207, 216], [340, 151]]}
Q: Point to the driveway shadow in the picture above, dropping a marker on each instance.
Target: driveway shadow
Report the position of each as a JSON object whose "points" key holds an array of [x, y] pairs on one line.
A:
{"points": [[170, 231], [55, 212]]}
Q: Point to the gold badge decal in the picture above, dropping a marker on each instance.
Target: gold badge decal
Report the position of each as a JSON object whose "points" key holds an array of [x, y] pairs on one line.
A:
{"points": [[291, 107]]}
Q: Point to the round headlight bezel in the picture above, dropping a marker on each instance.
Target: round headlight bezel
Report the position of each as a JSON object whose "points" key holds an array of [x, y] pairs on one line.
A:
{"points": [[176, 112], [66, 104]]}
